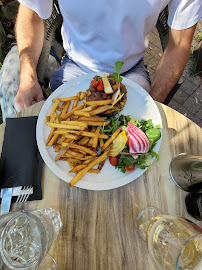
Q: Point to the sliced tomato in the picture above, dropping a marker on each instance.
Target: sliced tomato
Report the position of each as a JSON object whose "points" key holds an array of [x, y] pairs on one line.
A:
{"points": [[113, 160], [130, 168]]}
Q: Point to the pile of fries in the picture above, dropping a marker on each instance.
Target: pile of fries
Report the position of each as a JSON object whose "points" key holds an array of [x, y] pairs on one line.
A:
{"points": [[76, 133]]}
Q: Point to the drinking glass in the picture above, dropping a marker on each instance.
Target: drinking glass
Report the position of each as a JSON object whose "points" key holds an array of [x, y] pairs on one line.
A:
{"points": [[186, 172], [173, 242], [26, 237]]}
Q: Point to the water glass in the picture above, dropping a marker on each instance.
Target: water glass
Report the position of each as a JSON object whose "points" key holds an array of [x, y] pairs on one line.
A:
{"points": [[26, 237]]}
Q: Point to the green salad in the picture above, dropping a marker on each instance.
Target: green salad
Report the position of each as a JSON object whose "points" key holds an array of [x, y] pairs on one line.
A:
{"points": [[134, 144]]}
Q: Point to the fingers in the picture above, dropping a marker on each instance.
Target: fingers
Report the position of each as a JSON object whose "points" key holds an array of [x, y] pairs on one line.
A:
{"points": [[23, 102], [39, 97], [26, 95]]}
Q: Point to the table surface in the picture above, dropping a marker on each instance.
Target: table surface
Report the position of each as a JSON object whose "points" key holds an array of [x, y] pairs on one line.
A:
{"points": [[99, 226]]}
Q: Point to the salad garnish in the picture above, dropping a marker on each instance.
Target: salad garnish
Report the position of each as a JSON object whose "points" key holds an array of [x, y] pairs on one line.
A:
{"points": [[134, 144], [138, 141], [116, 75]]}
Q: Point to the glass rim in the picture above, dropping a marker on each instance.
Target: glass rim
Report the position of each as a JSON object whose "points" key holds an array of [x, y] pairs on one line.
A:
{"points": [[170, 170], [4, 257], [171, 174], [182, 247], [158, 211], [50, 258]]}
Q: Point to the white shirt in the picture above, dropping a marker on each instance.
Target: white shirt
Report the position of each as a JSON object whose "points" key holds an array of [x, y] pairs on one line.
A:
{"points": [[98, 33]]}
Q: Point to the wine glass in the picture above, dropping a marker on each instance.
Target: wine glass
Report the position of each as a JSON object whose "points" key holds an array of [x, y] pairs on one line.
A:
{"points": [[173, 242], [190, 254], [26, 237]]}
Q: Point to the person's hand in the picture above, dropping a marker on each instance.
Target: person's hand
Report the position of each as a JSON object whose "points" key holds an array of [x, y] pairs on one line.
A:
{"points": [[28, 92]]}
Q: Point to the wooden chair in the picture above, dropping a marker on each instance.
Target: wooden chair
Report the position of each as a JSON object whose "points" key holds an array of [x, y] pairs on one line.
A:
{"points": [[51, 24]]}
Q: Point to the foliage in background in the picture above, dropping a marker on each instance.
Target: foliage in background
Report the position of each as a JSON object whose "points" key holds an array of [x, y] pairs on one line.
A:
{"points": [[8, 12], [199, 36], [195, 70]]}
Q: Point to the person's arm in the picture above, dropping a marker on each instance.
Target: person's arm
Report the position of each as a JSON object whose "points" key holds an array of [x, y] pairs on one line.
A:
{"points": [[172, 63], [29, 35]]}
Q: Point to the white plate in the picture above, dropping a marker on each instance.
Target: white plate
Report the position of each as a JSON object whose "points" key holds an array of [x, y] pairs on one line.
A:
{"points": [[139, 103]]}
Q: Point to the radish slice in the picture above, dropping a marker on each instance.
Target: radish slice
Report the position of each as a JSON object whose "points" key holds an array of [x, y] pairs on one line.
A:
{"points": [[138, 141]]}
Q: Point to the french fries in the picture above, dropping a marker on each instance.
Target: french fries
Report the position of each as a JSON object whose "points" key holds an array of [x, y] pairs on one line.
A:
{"points": [[100, 110], [64, 126], [84, 149], [110, 140], [101, 158], [100, 102], [76, 134]]}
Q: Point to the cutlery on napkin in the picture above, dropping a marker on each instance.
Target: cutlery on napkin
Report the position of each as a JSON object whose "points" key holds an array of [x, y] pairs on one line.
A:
{"points": [[20, 163], [6, 200], [7, 193]]}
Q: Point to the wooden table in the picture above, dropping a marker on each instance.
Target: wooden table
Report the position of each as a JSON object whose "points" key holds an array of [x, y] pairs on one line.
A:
{"points": [[99, 226]]}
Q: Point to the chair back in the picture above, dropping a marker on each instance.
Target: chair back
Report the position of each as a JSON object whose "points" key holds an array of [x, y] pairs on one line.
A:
{"points": [[163, 28]]}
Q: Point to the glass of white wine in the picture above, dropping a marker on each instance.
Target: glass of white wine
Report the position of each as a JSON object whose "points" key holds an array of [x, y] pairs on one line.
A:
{"points": [[173, 242]]}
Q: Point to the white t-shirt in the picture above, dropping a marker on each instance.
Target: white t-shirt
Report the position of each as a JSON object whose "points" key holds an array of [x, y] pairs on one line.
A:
{"points": [[98, 33]]}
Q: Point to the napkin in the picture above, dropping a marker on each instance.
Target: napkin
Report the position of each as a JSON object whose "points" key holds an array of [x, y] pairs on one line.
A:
{"points": [[21, 163]]}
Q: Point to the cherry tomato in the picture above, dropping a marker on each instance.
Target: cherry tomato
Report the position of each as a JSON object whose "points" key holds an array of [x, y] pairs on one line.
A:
{"points": [[94, 83], [130, 168], [100, 87], [113, 160], [100, 81]]}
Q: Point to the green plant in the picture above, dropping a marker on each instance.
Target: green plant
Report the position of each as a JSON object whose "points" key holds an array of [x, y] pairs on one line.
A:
{"points": [[199, 36], [194, 68], [8, 12]]}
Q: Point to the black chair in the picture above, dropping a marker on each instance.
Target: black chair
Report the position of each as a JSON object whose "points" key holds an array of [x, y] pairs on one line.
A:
{"points": [[163, 28], [52, 23]]}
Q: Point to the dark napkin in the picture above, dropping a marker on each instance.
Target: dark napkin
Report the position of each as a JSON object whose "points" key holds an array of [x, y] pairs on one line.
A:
{"points": [[21, 162]]}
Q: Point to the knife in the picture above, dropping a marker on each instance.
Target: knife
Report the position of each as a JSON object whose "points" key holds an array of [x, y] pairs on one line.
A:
{"points": [[6, 200]]}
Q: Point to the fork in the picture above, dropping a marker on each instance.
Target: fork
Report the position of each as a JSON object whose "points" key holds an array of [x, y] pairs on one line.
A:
{"points": [[24, 194]]}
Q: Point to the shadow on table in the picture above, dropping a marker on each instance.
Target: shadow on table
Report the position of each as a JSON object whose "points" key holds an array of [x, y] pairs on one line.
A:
{"points": [[186, 133], [172, 131]]}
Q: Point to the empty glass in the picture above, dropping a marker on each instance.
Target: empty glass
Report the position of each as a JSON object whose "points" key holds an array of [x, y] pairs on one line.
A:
{"points": [[26, 237], [173, 242], [186, 172]]}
